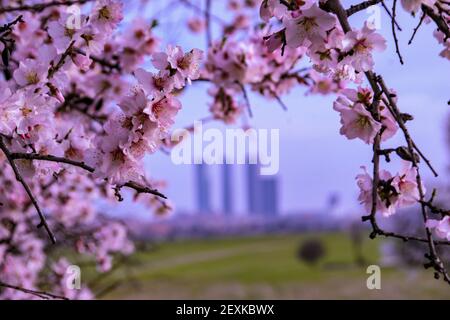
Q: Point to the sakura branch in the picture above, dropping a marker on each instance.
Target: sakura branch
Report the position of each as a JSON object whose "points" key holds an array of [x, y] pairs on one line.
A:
{"points": [[361, 6], [19, 177], [40, 294], [42, 6]]}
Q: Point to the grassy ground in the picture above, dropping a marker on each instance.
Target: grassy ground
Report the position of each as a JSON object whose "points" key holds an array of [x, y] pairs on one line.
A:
{"points": [[262, 268]]}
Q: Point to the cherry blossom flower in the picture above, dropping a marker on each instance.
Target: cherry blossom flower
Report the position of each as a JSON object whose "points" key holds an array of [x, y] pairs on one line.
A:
{"points": [[358, 46], [30, 72], [406, 184], [272, 8], [62, 33], [154, 83], [196, 25], [107, 14], [441, 227], [356, 121], [310, 26], [225, 107], [386, 194]]}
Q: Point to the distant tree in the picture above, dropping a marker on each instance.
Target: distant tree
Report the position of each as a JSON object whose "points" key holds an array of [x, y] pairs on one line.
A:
{"points": [[311, 251]]}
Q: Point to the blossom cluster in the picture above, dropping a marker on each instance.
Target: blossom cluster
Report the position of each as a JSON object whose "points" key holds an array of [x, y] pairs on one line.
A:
{"points": [[73, 87]]}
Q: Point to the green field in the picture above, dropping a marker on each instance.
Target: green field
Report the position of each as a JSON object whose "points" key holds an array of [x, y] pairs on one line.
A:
{"points": [[260, 268]]}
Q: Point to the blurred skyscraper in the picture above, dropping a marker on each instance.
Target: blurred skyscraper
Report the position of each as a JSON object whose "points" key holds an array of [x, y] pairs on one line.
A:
{"points": [[227, 192], [203, 189], [262, 192], [269, 196], [252, 171]]}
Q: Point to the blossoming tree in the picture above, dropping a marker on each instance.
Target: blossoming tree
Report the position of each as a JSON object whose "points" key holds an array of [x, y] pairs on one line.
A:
{"points": [[79, 110]]}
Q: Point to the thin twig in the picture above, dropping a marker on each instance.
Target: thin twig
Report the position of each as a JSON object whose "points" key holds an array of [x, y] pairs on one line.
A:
{"points": [[247, 100], [142, 189], [54, 68], [390, 15], [35, 156], [394, 33], [41, 294], [416, 28], [20, 179], [42, 6], [433, 256], [361, 6]]}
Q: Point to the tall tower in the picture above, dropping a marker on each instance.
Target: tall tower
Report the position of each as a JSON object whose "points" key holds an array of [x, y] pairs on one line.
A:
{"points": [[269, 196], [227, 178], [203, 189], [253, 188]]}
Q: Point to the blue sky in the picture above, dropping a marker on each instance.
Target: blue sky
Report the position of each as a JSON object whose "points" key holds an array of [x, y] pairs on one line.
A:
{"points": [[314, 159]]}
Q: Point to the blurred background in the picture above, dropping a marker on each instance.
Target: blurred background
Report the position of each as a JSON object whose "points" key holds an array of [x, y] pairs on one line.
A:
{"points": [[297, 234]]}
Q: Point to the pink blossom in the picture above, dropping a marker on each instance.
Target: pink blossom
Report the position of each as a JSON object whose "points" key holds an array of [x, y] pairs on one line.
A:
{"points": [[272, 8], [107, 14], [163, 110], [406, 184], [62, 33], [441, 227], [196, 25], [224, 106], [356, 121], [358, 46], [386, 193], [310, 26], [30, 72], [154, 83]]}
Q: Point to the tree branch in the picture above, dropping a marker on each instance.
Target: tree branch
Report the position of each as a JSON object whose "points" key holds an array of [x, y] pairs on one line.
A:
{"points": [[42, 6], [361, 6], [35, 156], [41, 294], [20, 179], [377, 84], [142, 189], [440, 22], [394, 34]]}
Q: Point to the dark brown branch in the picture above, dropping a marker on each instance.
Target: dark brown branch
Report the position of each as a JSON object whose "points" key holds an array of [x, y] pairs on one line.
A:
{"points": [[11, 24], [142, 189], [35, 156], [390, 15], [440, 22], [416, 28], [20, 179], [54, 68], [42, 6], [41, 294], [394, 33], [361, 6], [435, 261], [425, 159]]}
